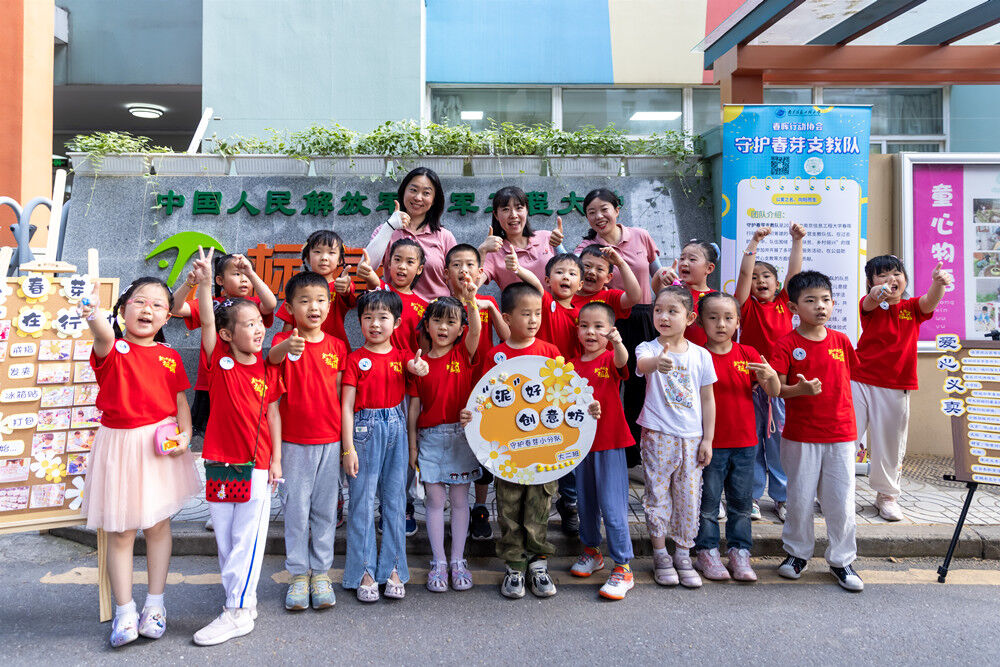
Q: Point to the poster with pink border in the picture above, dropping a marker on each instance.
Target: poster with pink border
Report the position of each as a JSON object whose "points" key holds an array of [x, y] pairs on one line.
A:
{"points": [[938, 236]]}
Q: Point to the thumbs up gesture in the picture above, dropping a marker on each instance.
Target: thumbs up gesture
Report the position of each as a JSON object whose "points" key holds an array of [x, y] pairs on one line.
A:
{"points": [[669, 275], [512, 263], [941, 276], [664, 364], [342, 284], [404, 217], [296, 343], [365, 271], [810, 387], [492, 243], [557, 234], [417, 366]]}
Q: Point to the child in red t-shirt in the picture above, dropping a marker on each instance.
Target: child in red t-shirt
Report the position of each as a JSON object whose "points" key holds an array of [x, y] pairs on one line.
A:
{"points": [[764, 318], [403, 271], [738, 369], [375, 451], [691, 269], [462, 264], [234, 279], [311, 363], [887, 370], [128, 486], [817, 443], [438, 447], [602, 476], [323, 253], [245, 425], [598, 266]]}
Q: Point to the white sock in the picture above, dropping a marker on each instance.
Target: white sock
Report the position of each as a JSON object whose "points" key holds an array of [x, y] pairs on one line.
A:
{"points": [[660, 552], [154, 601], [125, 609], [682, 553]]}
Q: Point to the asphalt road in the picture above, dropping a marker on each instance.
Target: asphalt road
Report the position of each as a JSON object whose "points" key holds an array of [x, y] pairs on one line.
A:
{"points": [[48, 613]]}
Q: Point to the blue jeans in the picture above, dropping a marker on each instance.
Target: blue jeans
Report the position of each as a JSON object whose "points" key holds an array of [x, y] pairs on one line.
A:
{"points": [[602, 489], [767, 470], [732, 469], [567, 488], [383, 459]]}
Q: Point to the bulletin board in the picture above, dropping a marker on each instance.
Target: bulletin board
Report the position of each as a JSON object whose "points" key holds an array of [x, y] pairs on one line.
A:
{"points": [[48, 416]]}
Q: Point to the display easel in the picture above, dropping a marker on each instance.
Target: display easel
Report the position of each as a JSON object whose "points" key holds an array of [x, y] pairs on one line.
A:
{"points": [[59, 517]]}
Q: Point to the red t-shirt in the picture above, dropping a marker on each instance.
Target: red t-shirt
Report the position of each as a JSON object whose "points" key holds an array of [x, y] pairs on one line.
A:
{"points": [[503, 352], [761, 324], [828, 416], [405, 335], [735, 425], [612, 297], [238, 423], [380, 379], [602, 374], [139, 384], [194, 322], [334, 322], [310, 408], [445, 389], [559, 326], [695, 333], [887, 349], [485, 334]]}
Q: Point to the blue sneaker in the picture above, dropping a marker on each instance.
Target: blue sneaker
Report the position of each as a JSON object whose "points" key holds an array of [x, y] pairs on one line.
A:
{"points": [[297, 597], [321, 590], [411, 523]]}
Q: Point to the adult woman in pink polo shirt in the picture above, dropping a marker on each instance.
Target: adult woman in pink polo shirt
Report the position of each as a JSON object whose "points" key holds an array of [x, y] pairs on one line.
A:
{"points": [[510, 229], [639, 251], [421, 202]]}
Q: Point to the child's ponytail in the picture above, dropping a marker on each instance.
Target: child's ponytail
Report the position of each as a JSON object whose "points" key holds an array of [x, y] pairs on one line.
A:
{"points": [[118, 323]]}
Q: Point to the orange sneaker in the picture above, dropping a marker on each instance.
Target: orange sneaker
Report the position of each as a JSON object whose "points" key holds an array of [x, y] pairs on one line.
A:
{"points": [[618, 584], [589, 562]]}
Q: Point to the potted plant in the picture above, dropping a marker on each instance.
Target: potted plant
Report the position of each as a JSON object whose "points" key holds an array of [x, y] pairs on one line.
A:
{"points": [[657, 154], [448, 148], [505, 149], [190, 164], [400, 141], [111, 153], [253, 156], [587, 152], [331, 150]]}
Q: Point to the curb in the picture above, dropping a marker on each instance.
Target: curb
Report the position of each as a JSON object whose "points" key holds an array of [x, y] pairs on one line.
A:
{"points": [[874, 541]]}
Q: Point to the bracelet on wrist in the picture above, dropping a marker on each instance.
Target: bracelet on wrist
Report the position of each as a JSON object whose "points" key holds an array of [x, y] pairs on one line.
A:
{"points": [[347, 451]]}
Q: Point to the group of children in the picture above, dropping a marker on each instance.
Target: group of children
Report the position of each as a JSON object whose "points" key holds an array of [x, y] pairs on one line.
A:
{"points": [[310, 410]]}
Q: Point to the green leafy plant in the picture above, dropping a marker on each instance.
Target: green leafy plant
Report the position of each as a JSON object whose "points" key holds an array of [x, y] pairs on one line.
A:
{"points": [[398, 138], [450, 139], [589, 140], [98, 144], [238, 144], [322, 140]]}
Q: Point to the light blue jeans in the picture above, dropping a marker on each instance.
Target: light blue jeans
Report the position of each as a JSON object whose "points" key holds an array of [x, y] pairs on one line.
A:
{"points": [[768, 472], [383, 459]]}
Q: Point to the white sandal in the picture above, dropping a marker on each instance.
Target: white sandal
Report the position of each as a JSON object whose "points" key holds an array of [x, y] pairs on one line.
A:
{"points": [[368, 593], [394, 590]]}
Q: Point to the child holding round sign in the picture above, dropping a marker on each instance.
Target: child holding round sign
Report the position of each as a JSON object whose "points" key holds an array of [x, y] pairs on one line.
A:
{"points": [[678, 420], [438, 447], [130, 487]]}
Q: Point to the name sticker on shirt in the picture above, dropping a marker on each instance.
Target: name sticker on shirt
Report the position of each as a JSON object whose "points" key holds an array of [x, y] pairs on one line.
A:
{"points": [[227, 363], [122, 346], [884, 305], [365, 364], [798, 354], [294, 357], [553, 307], [499, 358]]}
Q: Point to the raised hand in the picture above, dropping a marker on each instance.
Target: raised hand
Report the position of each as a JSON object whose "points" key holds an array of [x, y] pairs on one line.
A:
{"points": [[296, 343], [879, 293], [613, 336], [761, 233], [595, 409], [664, 364], [762, 370], [493, 243], [89, 305], [201, 268], [467, 288], [557, 234], [512, 264], [342, 283], [243, 265], [941, 276], [613, 256], [669, 275], [810, 387], [418, 366], [365, 267], [404, 217], [796, 231]]}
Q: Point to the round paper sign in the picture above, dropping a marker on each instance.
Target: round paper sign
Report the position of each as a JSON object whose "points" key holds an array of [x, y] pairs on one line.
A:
{"points": [[530, 423]]}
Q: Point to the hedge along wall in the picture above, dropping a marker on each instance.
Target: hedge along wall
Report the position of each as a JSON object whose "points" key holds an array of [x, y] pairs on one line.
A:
{"points": [[114, 214]]}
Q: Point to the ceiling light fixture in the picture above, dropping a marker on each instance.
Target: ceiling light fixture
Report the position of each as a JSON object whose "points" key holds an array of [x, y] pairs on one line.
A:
{"points": [[656, 115], [144, 110]]}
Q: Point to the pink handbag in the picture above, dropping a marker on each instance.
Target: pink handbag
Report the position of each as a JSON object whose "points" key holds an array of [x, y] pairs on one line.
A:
{"points": [[166, 438]]}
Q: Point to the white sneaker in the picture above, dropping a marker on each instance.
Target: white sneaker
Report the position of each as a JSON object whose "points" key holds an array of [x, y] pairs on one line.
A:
{"points": [[781, 510], [888, 508], [722, 511], [589, 562], [229, 624]]}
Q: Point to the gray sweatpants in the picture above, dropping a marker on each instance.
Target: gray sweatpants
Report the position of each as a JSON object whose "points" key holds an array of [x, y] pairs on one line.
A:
{"points": [[310, 493]]}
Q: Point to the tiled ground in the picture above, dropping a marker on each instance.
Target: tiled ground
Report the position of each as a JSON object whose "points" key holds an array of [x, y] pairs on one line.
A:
{"points": [[923, 502]]}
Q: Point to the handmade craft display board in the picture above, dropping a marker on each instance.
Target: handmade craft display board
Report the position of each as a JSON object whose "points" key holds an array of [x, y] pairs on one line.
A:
{"points": [[530, 423], [48, 415], [972, 400]]}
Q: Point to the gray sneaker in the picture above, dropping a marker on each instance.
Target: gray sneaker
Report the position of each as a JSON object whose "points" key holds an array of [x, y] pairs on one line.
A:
{"points": [[513, 584], [541, 582]]}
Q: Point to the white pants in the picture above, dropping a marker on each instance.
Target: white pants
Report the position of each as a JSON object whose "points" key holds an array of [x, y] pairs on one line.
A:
{"points": [[824, 471], [241, 535], [885, 414]]}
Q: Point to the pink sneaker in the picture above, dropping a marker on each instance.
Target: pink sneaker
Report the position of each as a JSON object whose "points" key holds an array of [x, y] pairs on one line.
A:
{"points": [[739, 565], [685, 572], [663, 571], [710, 564]]}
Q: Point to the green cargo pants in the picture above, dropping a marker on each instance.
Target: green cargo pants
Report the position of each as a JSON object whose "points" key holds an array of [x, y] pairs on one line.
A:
{"points": [[523, 516]]}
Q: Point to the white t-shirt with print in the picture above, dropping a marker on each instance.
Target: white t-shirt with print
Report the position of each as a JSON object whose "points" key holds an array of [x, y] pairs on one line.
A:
{"points": [[673, 400]]}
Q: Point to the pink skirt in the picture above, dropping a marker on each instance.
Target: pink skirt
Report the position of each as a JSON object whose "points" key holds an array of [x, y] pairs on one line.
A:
{"points": [[129, 486]]}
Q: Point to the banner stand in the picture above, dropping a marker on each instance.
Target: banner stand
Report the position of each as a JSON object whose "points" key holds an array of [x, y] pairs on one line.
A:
{"points": [[972, 486]]}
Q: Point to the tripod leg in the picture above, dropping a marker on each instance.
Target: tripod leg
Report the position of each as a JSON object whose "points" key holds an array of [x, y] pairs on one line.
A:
{"points": [[943, 570]]}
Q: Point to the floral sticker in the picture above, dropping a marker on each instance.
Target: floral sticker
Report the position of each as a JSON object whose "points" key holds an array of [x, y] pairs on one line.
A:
{"points": [[34, 287], [68, 323], [74, 493], [75, 287], [31, 322]]}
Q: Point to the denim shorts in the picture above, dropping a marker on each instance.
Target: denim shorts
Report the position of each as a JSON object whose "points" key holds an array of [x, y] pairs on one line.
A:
{"points": [[444, 455]]}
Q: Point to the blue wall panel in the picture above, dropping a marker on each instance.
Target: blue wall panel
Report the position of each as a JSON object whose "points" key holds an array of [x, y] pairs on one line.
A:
{"points": [[518, 41], [975, 119]]}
